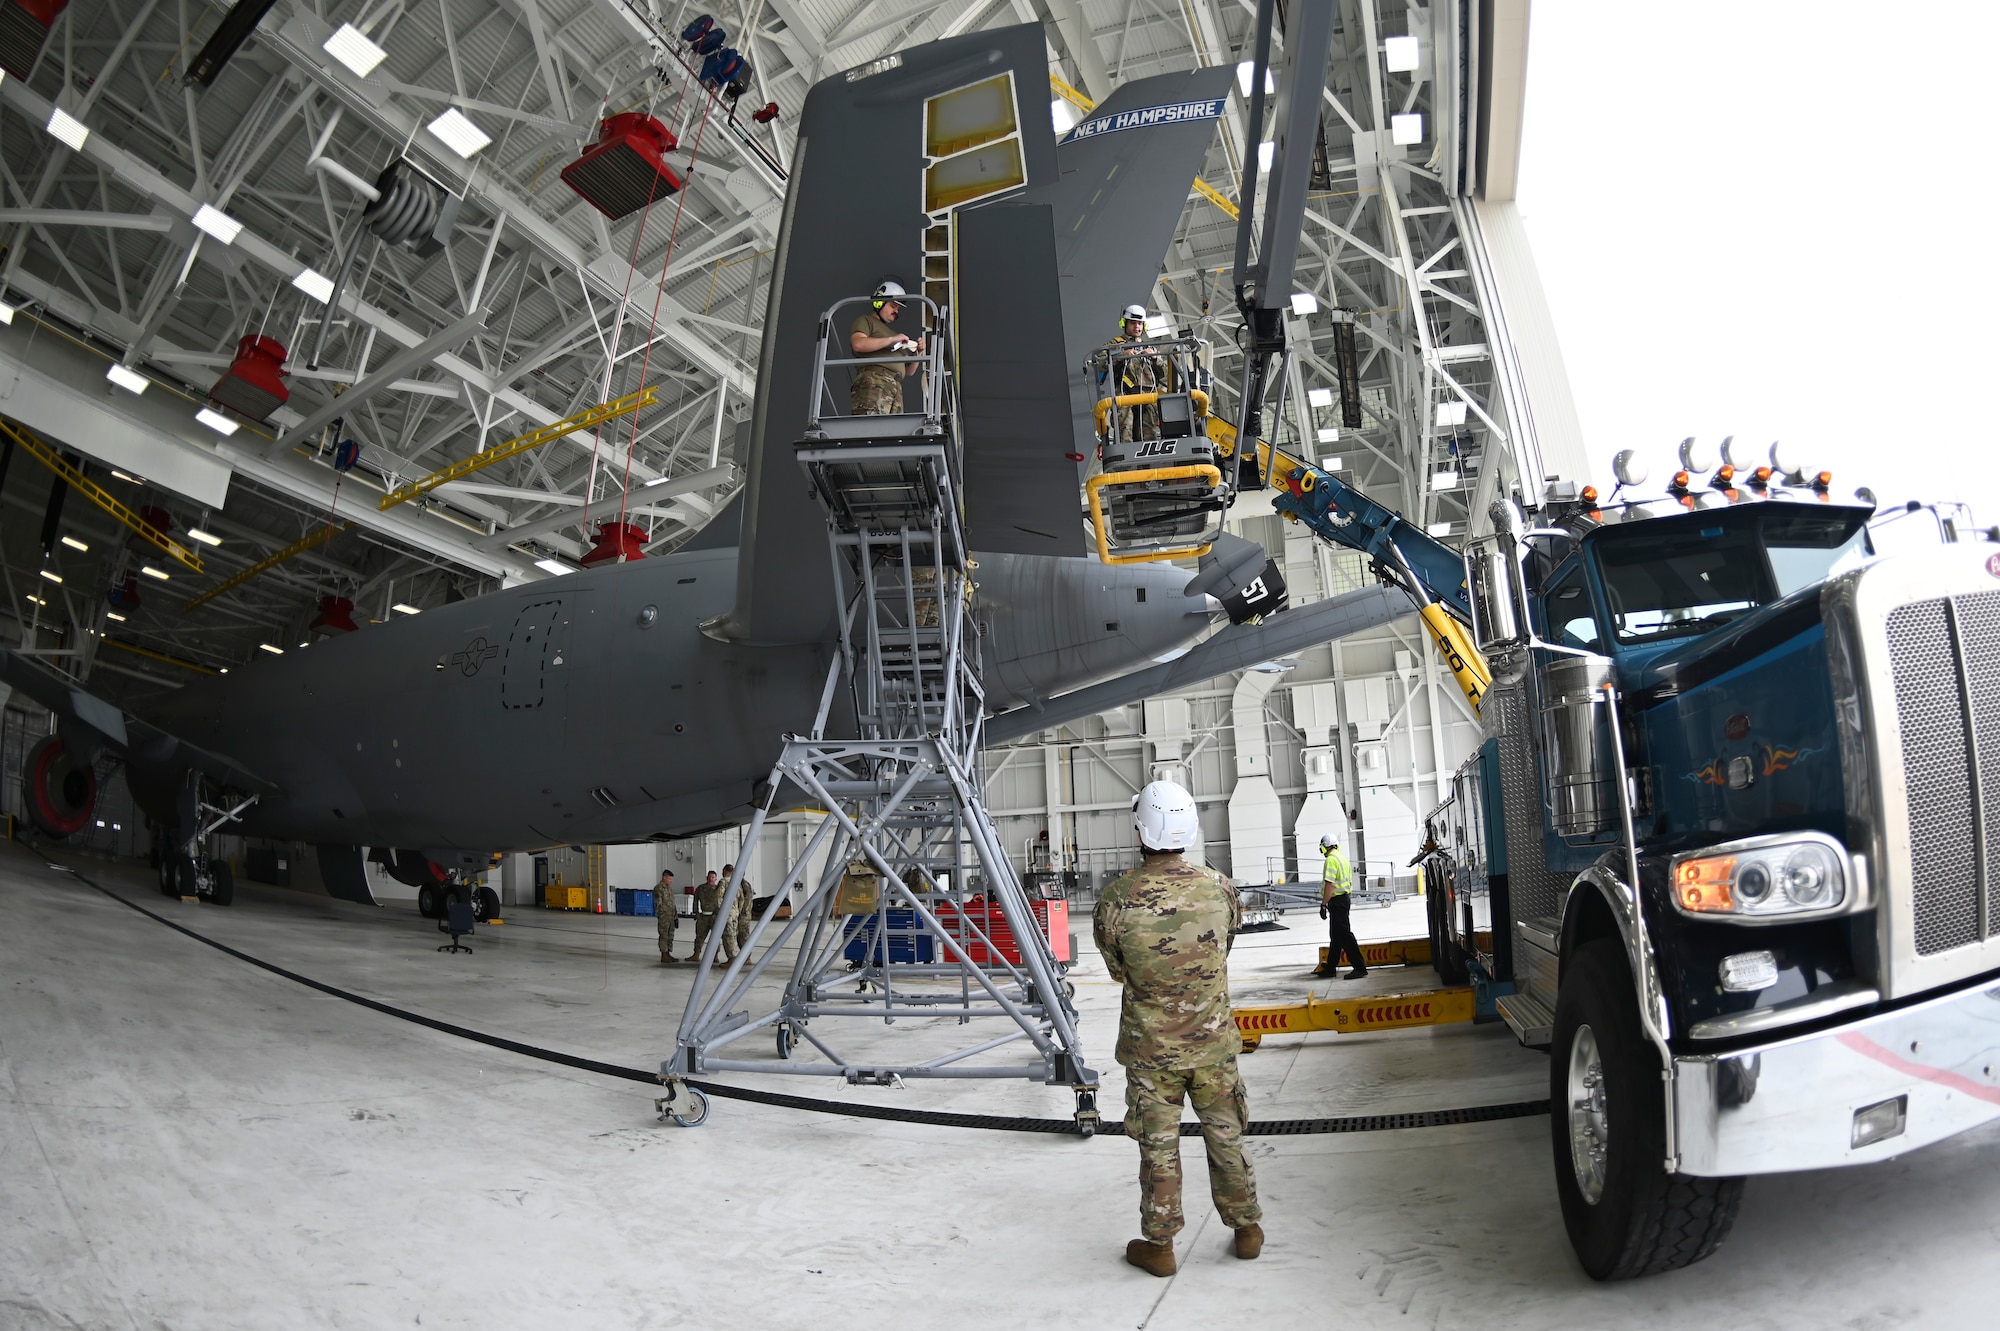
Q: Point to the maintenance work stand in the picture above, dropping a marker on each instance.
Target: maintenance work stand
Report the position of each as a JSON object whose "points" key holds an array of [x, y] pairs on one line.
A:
{"points": [[912, 908]]}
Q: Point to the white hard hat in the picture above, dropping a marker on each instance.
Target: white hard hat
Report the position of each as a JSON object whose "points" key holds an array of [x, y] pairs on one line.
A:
{"points": [[886, 290], [1165, 815], [1135, 311], [1327, 841]]}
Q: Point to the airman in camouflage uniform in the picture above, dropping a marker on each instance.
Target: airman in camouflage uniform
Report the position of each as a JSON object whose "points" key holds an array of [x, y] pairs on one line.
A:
{"points": [[707, 901], [1139, 374], [1164, 931], [666, 919], [746, 899], [878, 389]]}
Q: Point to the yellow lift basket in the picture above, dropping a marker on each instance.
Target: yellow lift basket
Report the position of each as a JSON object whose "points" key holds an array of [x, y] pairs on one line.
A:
{"points": [[1160, 494]]}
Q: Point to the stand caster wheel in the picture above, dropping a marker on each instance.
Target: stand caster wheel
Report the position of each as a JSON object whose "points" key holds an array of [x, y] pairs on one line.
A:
{"points": [[683, 1104], [787, 1041], [1087, 1118], [697, 1113]]}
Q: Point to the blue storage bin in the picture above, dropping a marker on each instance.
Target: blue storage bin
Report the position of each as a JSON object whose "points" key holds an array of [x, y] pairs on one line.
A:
{"points": [[621, 901], [642, 901], [903, 937]]}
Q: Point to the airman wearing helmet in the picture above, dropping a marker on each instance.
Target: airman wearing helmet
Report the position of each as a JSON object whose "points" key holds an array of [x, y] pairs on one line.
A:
{"points": [[878, 389], [1139, 374], [1164, 931]]}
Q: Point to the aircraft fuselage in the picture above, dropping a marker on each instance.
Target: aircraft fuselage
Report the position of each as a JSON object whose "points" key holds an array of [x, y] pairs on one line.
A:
{"points": [[592, 708]]}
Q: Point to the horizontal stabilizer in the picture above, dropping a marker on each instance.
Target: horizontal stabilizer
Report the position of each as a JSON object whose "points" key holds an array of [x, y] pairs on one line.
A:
{"points": [[1232, 649]]}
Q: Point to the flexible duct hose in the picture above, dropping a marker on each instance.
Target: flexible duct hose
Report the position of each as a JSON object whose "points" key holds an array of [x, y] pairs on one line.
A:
{"points": [[405, 211]]}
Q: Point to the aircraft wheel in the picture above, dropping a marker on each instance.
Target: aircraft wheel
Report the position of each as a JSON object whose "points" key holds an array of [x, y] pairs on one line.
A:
{"points": [[428, 903], [222, 883], [485, 904], [186, 881]]}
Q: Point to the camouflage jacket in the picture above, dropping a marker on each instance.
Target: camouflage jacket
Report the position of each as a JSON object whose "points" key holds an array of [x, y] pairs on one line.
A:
{"points": [[708, 896], [1164, 931]]}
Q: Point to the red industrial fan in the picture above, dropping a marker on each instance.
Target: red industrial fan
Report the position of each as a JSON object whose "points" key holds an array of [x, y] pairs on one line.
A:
{"points": [[626, 168], [616, 542], [254, 383]]}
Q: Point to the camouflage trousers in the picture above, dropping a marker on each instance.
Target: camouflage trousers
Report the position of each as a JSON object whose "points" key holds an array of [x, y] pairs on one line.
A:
{"points": [[703, 925], [877, 391], [1153, 1120], [739, 932], [666, 921]]}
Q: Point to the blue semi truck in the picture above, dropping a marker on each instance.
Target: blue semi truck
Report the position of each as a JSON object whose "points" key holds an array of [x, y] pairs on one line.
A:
{"points": [[1729, 851]]}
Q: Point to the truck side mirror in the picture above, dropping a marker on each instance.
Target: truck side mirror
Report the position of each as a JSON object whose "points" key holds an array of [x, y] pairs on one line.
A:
{"points": [[1493, 576]]}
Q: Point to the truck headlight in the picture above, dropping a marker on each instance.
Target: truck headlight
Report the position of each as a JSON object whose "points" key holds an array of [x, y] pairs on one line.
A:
{"points": [[1798, 875]]}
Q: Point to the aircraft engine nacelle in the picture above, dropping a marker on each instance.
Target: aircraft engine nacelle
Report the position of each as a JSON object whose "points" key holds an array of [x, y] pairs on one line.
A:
{"points": [[59, 792]]}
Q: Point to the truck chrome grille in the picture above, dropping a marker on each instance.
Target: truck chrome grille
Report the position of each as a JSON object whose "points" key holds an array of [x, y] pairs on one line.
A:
{"points": [[1942, 655]]}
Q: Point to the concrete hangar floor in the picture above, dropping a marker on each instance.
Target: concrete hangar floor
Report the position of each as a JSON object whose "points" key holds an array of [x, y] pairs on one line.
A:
{"points": [[189, 1141]]}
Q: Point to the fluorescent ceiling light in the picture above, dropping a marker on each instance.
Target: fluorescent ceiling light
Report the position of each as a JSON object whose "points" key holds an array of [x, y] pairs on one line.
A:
{"points": [[402, 609], [216, 421], [1444, 480], [34, 600], [267, 647], [126, 379], [1400, 54], [1329, 434], [223, 671], [68, 128], [123, 477], [152, 572], [1331, 464], [657, 480], [218, 224], [1451, 413], [1304, 303], [1063, 114], [1439, 529], [459, 134], [74, 544], [553, 566], [56, 579], [1320, 397], [1248, 68], [113, 614], [1266, 152], [6, 313], [202, 536], [1406, 129], [314, 284], [352, 49]]}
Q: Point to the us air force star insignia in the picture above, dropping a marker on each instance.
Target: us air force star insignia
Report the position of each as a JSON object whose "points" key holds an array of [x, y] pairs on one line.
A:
{"points": [[476, 654]]}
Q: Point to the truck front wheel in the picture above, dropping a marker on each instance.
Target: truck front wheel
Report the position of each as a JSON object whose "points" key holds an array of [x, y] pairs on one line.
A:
{"points": [[1626, 1215]]}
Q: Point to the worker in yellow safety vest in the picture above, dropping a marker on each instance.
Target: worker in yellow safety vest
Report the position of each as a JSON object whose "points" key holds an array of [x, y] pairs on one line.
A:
{"points": [[1336, 899]]}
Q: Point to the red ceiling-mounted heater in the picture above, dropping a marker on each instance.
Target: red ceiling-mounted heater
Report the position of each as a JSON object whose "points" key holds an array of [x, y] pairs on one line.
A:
{"points": [[254, 383], [336, 615], [24, 26], [626, 168], [616, 542]]}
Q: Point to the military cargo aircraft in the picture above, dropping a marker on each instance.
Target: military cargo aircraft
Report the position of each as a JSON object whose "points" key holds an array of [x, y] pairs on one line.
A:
{"points": [[646, 699]]}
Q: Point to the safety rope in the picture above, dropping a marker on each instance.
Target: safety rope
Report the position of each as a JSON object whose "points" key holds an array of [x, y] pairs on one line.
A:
{"points": [[1062, 1127], [659, 294]]}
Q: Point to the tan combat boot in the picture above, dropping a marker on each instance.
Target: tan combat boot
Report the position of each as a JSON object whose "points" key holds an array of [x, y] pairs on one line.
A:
{"points": [[1249, 1241], [1155, 1259]]}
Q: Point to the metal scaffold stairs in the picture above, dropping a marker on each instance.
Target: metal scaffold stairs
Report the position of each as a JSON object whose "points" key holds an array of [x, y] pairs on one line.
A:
{"points": [[910, 908]]}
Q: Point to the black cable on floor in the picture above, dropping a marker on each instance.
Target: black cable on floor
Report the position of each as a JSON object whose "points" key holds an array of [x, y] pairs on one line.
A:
{"points": [[1287, 1127]]}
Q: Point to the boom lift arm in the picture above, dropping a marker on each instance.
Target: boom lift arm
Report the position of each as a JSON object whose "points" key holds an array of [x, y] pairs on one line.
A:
{"points": [[1431, 572]]}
